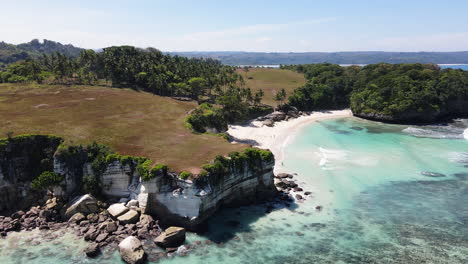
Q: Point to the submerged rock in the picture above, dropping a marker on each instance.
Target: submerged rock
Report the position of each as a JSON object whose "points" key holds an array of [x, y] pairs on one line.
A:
{"points": [[131, 250], [432, 174], [171, 237]]}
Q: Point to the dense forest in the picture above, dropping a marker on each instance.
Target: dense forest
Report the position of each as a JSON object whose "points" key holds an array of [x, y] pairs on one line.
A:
{"points": [[10, 53], [389, 92], [203, 80], [363, 57]]}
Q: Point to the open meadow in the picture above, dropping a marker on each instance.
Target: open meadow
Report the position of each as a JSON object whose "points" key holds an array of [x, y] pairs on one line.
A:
{"points": [[130, 122]]}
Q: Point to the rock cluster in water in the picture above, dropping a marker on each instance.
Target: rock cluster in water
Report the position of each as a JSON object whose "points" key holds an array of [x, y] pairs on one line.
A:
{"points": [[286, 186], [101, 225]]}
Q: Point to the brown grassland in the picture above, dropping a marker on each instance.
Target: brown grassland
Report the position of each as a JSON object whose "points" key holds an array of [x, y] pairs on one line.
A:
{"points": [[272, 81], [130, 122]]}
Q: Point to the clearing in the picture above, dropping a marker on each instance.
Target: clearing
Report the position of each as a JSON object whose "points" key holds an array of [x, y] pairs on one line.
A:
{"points": [[272, 81], [130, 122]]}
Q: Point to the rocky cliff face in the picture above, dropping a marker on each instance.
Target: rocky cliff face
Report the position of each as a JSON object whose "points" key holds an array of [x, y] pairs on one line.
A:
{"points": [[21, 159], [189, 203]]}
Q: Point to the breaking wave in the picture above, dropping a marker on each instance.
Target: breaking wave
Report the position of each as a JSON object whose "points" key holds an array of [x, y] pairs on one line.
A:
{"points": [[437, 132]]}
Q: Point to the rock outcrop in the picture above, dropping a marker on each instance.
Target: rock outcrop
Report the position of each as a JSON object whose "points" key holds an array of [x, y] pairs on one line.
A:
{"points": [[131, 250]]}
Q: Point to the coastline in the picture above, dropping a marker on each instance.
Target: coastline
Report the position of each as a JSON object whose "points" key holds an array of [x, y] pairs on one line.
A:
{"points": [[276, 138]]}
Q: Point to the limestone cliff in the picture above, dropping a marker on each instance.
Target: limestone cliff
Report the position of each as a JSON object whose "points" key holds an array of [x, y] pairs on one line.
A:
{"points": [[242, 178]]}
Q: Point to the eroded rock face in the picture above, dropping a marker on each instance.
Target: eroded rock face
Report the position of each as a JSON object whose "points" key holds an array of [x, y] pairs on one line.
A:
{"points": [[172, 237], [85, 204], [131, 250]]}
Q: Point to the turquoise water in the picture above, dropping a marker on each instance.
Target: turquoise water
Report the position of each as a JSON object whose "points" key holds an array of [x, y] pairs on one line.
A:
{"points": [[454, 66], [377, 205]]}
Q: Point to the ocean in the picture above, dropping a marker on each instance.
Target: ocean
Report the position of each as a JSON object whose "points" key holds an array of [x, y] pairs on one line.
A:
{"points": [[389, 194]]}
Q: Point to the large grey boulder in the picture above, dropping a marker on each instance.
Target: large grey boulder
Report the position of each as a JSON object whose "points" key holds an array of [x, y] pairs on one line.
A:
{"points": [[131, 250], [171, 237], [85, 204], [276, 116], [117, 209], [130, 217]]}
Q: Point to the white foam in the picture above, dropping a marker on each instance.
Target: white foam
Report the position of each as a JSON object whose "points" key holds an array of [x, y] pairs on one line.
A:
{"points": [[435, 132], [465, 134]]}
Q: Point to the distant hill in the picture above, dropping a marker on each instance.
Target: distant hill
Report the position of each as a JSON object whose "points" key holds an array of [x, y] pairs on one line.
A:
{"points": [[365, 57], [11, 53]]}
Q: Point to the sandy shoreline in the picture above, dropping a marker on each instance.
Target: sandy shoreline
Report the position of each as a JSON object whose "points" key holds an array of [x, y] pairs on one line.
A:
{"points": [[275, 138]]}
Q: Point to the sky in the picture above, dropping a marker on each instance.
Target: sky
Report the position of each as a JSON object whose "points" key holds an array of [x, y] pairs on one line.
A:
{"points": [[253, 25]]}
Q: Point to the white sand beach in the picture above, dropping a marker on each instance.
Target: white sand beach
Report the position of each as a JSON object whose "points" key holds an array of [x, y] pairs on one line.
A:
{"points": [[276, 137]]}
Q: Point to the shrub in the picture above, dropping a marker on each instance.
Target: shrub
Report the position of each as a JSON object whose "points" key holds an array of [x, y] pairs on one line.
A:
{"points": [[185, 175], [46, 180], [91, 185]]}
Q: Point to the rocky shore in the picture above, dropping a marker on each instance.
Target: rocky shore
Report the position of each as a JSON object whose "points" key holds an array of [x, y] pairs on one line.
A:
{"points": [[121, 225]]}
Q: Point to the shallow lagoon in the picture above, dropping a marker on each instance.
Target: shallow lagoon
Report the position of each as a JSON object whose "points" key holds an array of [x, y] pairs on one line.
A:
{"points": [[378, 207]]}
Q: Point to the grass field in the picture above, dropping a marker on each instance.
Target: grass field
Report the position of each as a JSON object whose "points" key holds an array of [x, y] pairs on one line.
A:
{"points": [[130, 122], [272, 81]]}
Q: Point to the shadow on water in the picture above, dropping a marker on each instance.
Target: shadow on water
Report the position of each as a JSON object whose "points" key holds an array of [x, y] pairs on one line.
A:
{"points": [[228, 223]]}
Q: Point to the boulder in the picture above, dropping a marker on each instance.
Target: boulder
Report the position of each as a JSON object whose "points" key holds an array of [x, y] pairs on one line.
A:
{"points": [[91, 234], [85, 204], [268, 123], [92, 250], [276, 116], [130, 217], [132, 203], [131, 250], [101, 237], [282, 175], [147, 220], [171, 237], [17, 215], [52, 203], [110, 227], [117, 209], [77, 218]]}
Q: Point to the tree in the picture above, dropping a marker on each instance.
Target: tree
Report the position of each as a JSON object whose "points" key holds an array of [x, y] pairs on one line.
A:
{"points": [[280, 96], [197, 87], [258, 97]]}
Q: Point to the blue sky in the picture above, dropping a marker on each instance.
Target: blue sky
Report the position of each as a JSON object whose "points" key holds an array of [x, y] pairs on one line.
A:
{"points": [[209, 25]]}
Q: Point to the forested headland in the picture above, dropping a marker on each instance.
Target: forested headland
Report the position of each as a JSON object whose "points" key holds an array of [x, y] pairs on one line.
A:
{"points": [[388, 92]]}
